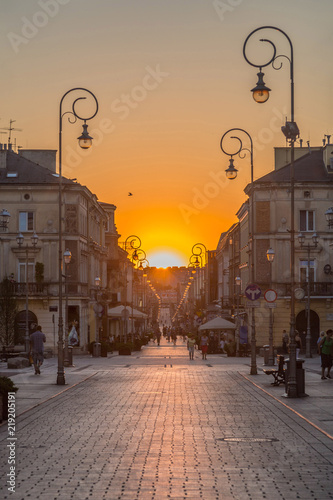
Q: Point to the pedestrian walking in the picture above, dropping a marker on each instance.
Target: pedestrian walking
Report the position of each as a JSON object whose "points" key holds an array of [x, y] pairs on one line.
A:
{"points": [[204, 346], [321, 336], [191, 345], [37, 340], [298, 342], [326, 345], [285, 342]]}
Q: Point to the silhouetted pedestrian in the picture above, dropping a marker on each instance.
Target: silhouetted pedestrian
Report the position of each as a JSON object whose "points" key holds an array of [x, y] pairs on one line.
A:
{"points": [[326, 345], [204, 346], [191, 345], [37, 340]]}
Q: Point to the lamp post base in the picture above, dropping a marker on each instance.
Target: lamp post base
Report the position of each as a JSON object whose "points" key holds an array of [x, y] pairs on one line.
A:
{"points": [[61, 379]]}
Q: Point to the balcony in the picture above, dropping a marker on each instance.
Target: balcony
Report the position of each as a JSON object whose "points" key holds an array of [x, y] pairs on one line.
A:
{"points": [[49, 289], [317, 289]]}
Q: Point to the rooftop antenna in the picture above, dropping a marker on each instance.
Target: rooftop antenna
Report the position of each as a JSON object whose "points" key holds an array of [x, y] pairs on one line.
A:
{"points": [[328, 139], [10, 129]]}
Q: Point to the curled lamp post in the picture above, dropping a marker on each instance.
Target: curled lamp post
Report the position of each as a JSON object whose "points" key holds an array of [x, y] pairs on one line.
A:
{"points": [[291, 132], [132, 245], [308, 246], [85, 141], [67, 259], [238, 283], [231, 173], [98, 308], [198, 260], [199, 251], [20, 241], [270, 254]]}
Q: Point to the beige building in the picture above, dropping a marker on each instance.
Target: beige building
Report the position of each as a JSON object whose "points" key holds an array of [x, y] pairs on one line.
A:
{"points": [[272, 216], [29, 191]]}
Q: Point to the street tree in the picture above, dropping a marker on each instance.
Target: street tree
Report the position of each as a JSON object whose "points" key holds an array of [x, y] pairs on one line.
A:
{"points": [[8, 311]]}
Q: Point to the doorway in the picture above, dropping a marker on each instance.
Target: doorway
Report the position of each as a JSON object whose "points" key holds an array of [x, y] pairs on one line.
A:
{"points": [[19, 328], [301, 324]]}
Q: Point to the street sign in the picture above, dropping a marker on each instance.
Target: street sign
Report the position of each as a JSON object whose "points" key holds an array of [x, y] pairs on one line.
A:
{"points": [[252, 292], [253, 303], [271, 305], [270, 295]]}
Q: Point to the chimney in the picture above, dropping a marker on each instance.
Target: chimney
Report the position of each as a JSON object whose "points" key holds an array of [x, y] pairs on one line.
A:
{"points": [[43, 157], [3, 157], [328, 157]]}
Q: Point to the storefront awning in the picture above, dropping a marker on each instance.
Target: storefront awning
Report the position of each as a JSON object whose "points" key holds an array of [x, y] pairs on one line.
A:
{"points": [[218, 324], [121, 312]]}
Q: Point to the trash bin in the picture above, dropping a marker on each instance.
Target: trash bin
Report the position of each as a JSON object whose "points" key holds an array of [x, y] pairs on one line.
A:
{"points": [[96, 350], [104, 350], [300, 377], [266, 354]]}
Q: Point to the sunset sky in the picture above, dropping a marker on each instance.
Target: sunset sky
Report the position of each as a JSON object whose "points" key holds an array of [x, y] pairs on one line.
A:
{"points": [[170, 79]]}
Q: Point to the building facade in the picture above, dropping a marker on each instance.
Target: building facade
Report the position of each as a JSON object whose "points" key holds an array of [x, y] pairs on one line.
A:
{"points": [[270, 198], [30, 193]]}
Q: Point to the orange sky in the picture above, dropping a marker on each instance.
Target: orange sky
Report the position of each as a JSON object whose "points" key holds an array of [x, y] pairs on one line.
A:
{"points": [[170, 79]]}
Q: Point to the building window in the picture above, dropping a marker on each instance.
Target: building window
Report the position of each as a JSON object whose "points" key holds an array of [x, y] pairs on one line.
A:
{"points": [[304, 269], [22, 272], [26, 221], [307, 220]]}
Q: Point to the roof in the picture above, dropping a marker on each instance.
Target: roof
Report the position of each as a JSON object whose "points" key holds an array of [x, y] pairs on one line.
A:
{"points": [[307, 168], [28, 172]]}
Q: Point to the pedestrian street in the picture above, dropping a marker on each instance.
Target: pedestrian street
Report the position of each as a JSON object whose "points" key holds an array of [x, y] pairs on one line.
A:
{"points": [[157, 425]]}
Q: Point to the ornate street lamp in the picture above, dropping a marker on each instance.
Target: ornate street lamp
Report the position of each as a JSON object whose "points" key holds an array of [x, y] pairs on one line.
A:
{"points": [[84, 142], [20, 241], [4, 219], [309, 247], [329, 216], [231, 173], [270, 254], [199, 251], [291, 132], [98, 308], [67, 259], [238, 283]]}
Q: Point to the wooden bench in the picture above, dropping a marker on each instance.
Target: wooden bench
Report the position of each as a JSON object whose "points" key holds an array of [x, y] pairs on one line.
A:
{"points": [[279, 373]]}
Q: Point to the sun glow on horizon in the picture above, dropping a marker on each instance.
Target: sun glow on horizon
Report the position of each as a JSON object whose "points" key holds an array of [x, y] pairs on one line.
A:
{"points": [[166, 258]]}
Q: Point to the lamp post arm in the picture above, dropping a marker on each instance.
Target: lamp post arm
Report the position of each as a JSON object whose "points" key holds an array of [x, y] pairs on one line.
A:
{"points": [[274, 57], [240, 146]]}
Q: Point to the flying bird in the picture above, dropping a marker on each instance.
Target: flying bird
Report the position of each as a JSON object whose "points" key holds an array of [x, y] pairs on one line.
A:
{"points": [[130, 194]]}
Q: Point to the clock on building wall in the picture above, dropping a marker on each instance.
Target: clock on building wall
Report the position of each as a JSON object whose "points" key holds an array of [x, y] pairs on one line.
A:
{"points": [[299, 293]]}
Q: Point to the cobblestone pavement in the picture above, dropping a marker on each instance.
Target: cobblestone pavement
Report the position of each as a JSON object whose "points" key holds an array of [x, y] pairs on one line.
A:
{"points": [[158, 426]]}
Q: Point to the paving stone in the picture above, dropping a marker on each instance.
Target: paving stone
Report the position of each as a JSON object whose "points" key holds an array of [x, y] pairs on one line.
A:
{"points": [[144, 432]]}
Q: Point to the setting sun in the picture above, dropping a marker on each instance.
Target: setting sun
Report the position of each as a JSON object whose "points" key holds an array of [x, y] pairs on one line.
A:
{"points": [[165, 257]]}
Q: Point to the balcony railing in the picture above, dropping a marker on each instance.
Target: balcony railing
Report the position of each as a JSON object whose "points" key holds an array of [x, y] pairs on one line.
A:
{"points": [[317, 289], [49, 289]]}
